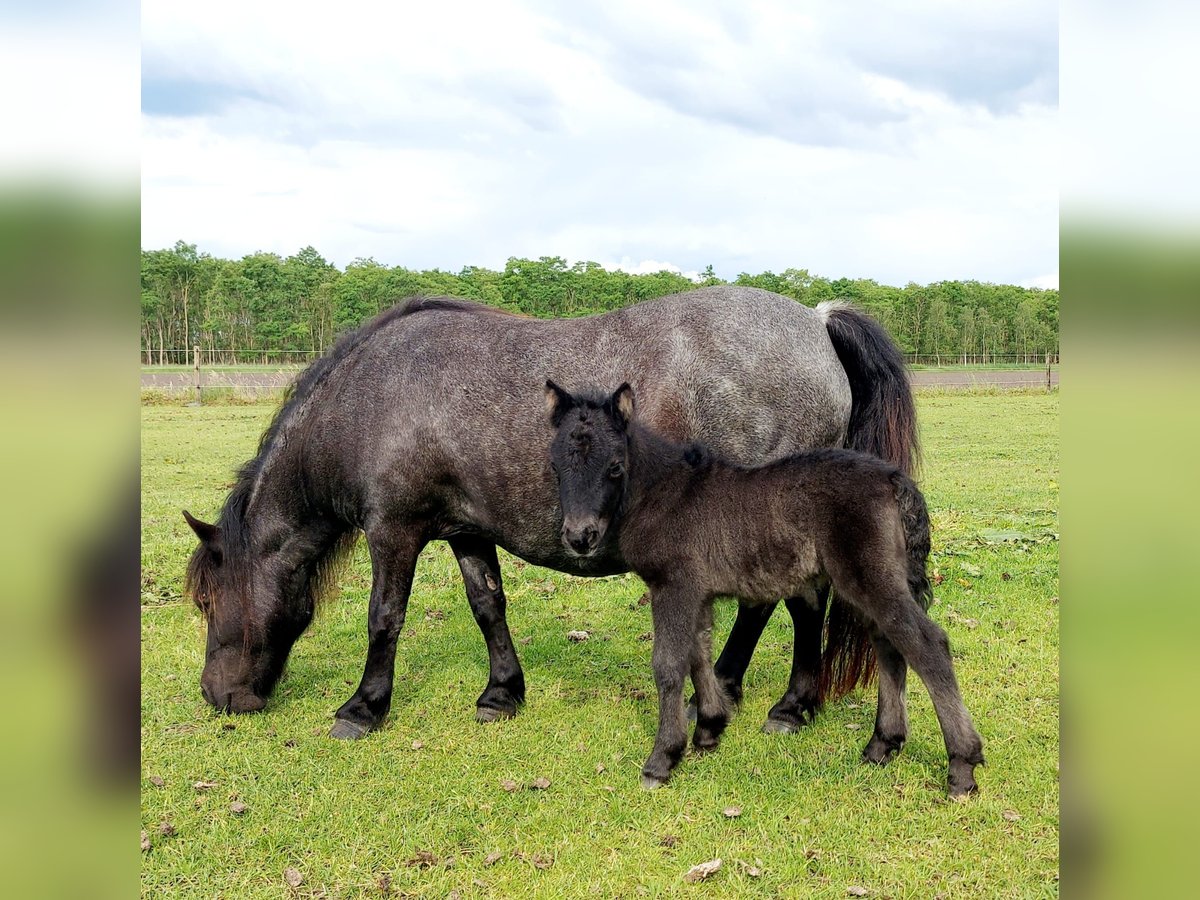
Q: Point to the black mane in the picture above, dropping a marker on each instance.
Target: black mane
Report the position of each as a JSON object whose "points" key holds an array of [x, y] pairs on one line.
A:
{"points": [[232, 523]]}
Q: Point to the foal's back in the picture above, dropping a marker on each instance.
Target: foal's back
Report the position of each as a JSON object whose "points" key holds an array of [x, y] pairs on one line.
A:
{"points": [[761, 533]]}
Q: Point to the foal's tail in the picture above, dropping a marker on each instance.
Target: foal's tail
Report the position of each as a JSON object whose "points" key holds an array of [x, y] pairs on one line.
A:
{"points": [[914, 515], [883, 422]]}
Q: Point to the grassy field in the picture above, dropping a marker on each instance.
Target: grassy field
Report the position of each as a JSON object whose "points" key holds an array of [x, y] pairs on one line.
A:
{"points": [[420, 808]]}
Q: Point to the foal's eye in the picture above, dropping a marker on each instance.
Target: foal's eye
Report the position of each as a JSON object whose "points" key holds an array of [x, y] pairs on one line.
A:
{"points": [[615, 470]]}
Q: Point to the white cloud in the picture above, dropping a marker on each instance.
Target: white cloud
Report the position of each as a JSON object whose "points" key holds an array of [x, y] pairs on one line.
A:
{"points": [[457, 134]]}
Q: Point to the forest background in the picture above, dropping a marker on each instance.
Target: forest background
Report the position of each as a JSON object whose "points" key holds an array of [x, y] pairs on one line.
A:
{"points": [[264, 308]]}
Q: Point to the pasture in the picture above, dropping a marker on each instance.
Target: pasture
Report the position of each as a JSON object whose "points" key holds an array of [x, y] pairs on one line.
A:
{"points": [[548, 804]]}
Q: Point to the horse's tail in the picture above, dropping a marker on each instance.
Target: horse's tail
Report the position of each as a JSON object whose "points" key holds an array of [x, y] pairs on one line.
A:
{"points": [[883, 422], [914, 515], [883, 416]]}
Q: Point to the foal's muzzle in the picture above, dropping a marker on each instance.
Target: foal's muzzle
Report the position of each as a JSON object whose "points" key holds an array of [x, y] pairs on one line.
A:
{"points": [[581, 541]]}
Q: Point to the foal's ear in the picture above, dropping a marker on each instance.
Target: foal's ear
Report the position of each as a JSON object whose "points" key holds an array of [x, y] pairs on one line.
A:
{"points": [[207, 533], [622, 403], [558, 402]]}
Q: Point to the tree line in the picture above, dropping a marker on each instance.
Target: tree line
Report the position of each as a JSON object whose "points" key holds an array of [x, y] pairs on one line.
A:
{"points": [[268, 308]]}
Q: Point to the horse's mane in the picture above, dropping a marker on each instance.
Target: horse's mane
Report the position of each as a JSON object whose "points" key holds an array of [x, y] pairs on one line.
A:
{"points": [[233, 544]]}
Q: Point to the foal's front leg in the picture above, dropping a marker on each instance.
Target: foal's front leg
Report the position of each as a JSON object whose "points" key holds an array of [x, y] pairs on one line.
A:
{"points": [[711, 703], [675, 612]]}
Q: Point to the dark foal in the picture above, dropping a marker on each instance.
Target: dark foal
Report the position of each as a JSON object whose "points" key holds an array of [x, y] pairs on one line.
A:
{"points": [[695, 528]]}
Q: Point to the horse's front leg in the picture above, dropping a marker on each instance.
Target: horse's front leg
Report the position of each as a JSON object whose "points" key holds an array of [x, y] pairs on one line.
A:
{"points": [[480, 569], [739, 648], [394, 552], [675, 612], [802, 700]]}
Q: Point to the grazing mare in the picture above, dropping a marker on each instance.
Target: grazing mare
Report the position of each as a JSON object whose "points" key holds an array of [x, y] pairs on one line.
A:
{"points": [[425, 424], [695, 527]]}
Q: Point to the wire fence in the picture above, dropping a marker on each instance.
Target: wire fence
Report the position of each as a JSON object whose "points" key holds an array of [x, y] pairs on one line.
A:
{"points": [[212, 377], [981, 360], [156, 358]]}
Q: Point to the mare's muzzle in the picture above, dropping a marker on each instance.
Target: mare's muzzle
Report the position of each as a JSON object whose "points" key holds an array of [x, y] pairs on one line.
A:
{"points": [[227, 690]]}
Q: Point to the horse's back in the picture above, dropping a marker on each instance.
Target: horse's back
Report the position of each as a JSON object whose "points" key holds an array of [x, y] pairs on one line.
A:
{"points": [[441, 412], [753, 373]]}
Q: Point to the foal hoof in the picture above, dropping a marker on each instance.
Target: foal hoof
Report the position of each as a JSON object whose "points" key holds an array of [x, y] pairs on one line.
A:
{"points": [[963, 793], [651, 782], [779, 726], [880, 751], [345, 730], [488, 714]]}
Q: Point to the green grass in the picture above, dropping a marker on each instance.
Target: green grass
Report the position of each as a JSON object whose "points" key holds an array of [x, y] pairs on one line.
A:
{"points": [[814, 822]]}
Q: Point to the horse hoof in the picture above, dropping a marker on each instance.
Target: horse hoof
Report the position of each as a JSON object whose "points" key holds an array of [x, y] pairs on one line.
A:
{"points": [[488, 714], [345, 730], [651, 782], [778, 726], [964, 796]]}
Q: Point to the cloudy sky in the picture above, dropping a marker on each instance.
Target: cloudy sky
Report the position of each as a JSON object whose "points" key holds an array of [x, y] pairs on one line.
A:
{"points": [[903, 142]]}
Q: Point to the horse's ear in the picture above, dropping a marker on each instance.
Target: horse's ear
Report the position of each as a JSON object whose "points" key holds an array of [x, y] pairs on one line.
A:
{"points": [[208, 534], [558, 402], [622, 403]]}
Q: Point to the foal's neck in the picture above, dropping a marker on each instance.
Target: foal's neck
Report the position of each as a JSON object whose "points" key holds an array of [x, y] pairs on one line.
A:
{"points": [[660, 465]]}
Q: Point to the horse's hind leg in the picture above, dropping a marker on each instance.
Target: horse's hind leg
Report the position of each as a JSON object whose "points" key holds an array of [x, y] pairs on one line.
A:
{"points": [[480, 569], [801, 701], [393, 560], [711, 703], [891, 716]]}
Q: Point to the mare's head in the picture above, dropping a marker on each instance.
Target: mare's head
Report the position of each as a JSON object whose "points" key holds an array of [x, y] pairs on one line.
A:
{"points": [[589, 458], [250, 629]]}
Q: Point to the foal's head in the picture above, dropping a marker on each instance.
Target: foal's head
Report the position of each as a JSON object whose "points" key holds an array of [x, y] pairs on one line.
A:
{"points": [[589, 458]]}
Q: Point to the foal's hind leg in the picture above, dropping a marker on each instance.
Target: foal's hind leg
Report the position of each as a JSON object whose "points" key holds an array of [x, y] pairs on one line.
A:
{"points": [[802, 701], [393, 560], [712, 706], [927, 649], [480, 569], [891, 717]]}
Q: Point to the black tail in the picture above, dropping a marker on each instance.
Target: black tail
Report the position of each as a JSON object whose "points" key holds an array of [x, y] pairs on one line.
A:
{"points": [[883, 416], [883, 422], [914, 514]]}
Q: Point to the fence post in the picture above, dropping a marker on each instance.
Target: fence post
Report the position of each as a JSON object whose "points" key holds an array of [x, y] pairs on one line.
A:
{"points": [[1048, 383], [196, 371]]}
